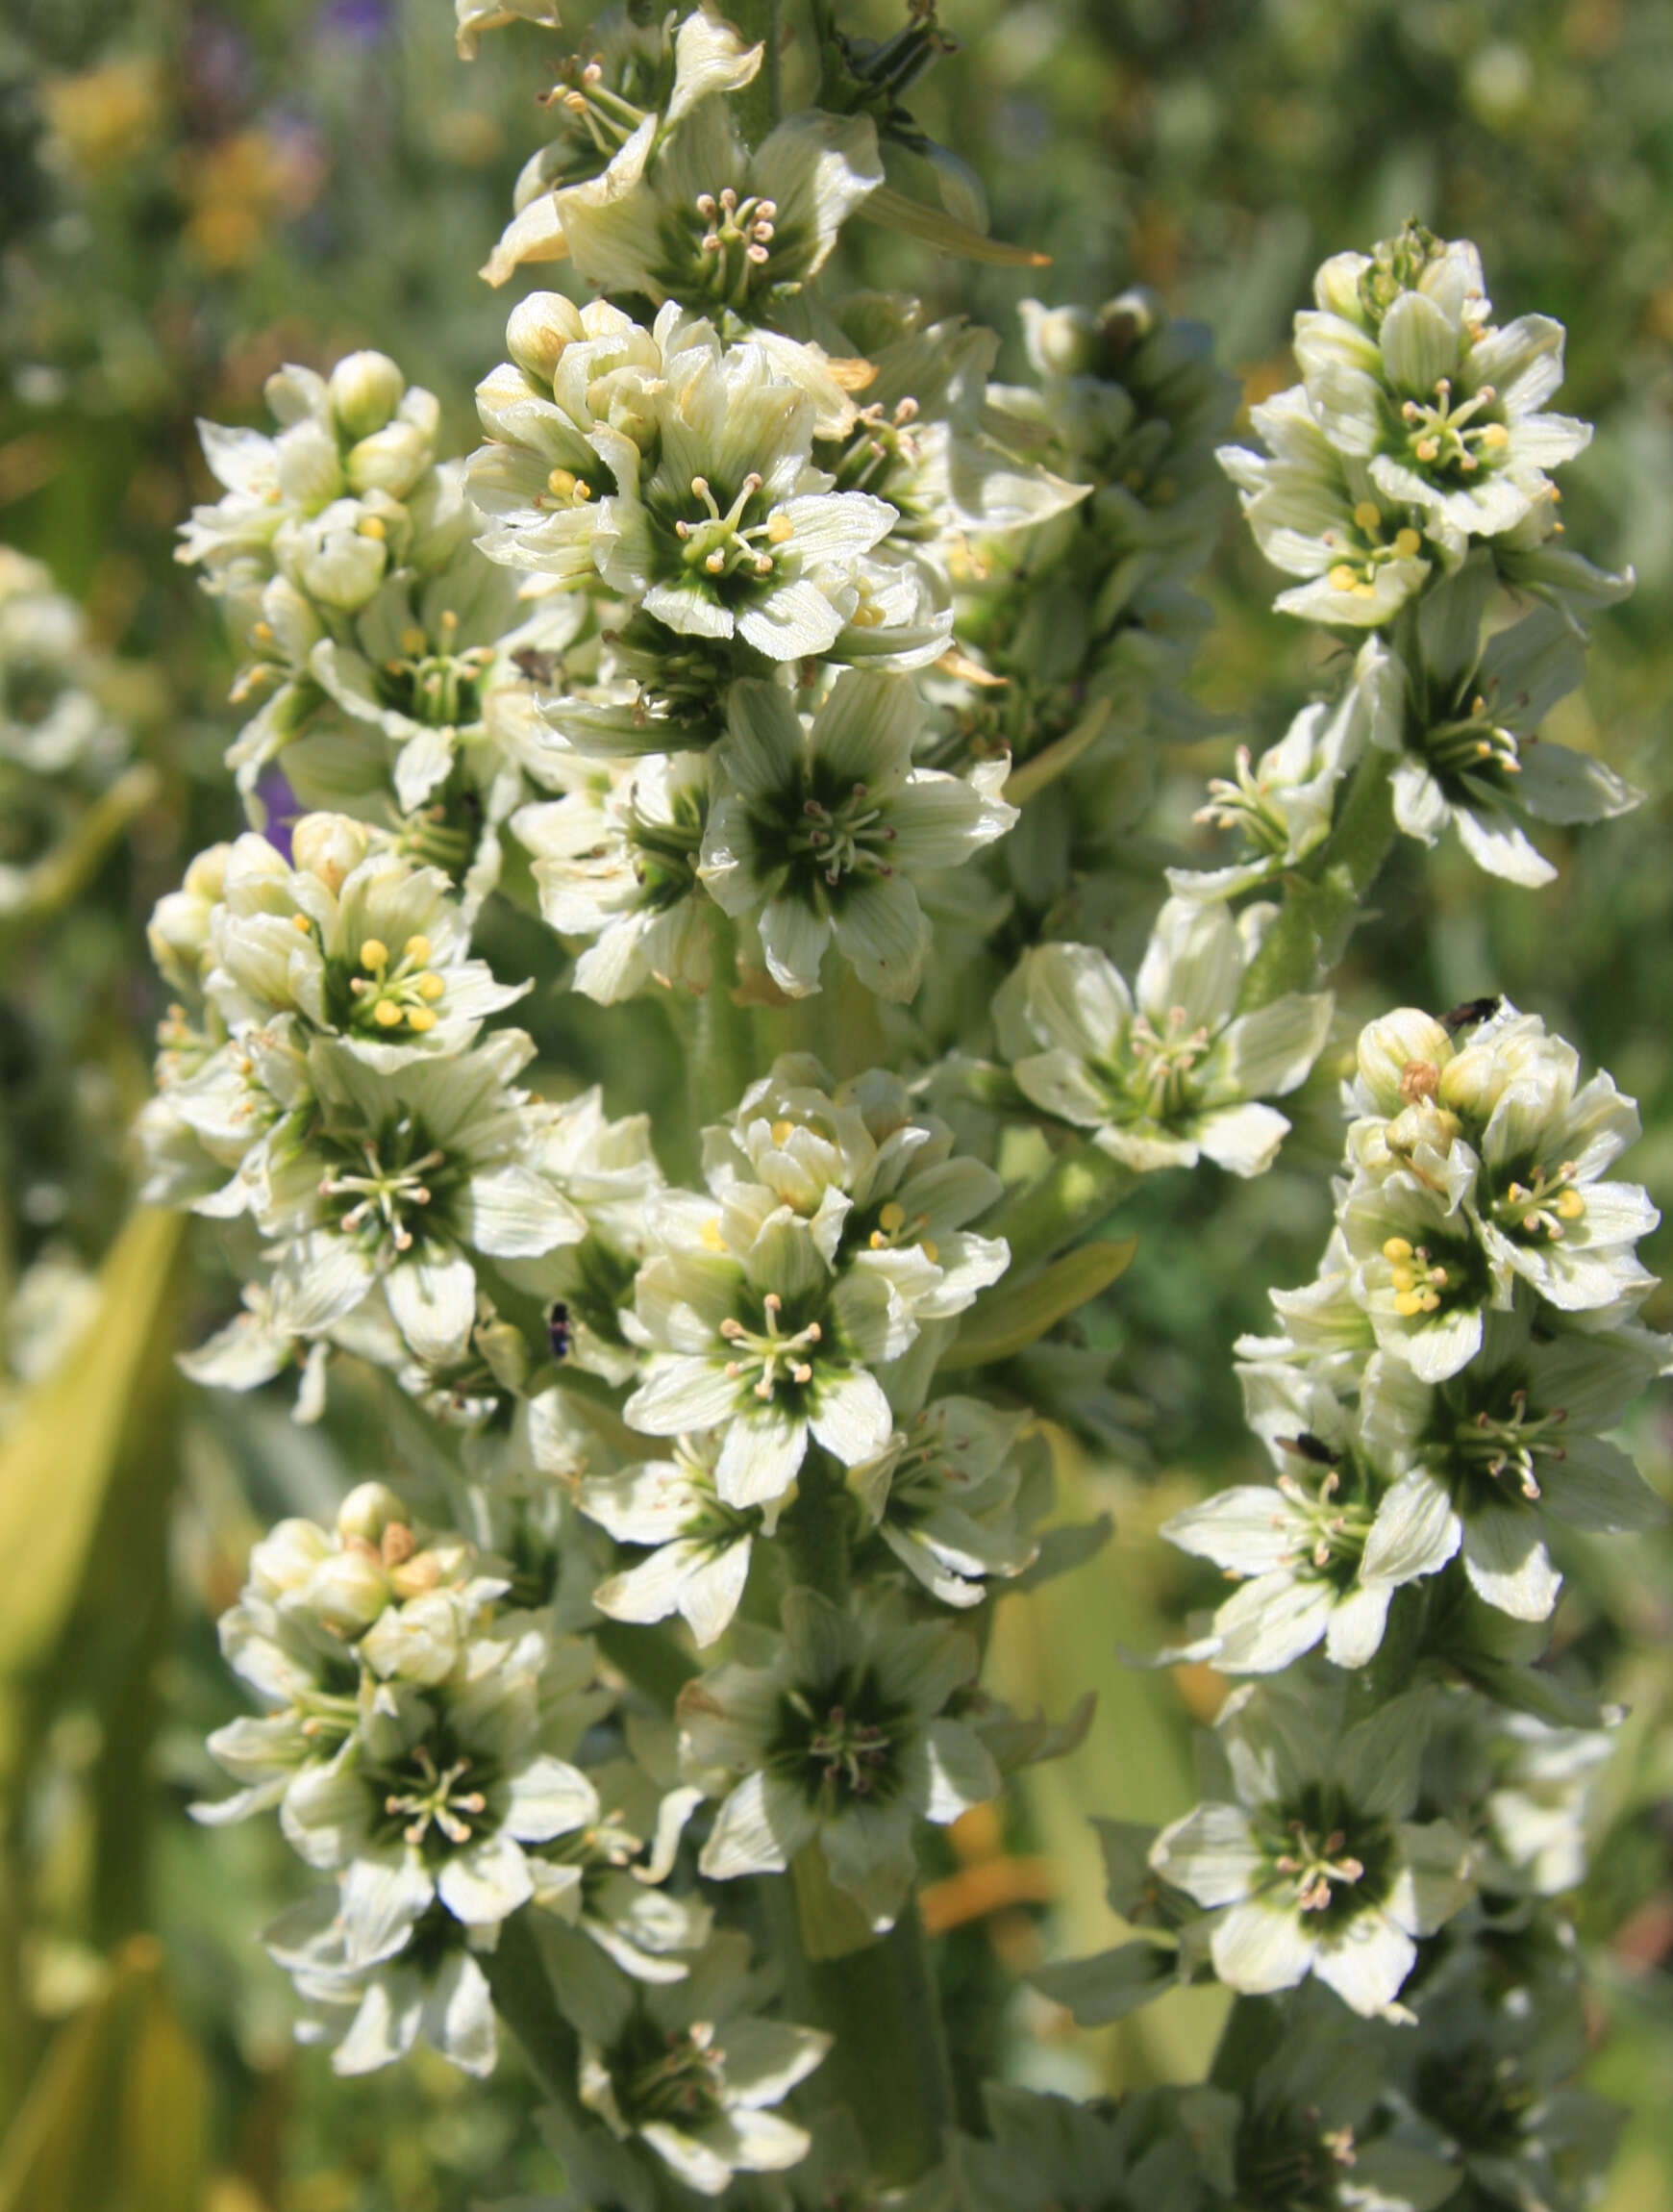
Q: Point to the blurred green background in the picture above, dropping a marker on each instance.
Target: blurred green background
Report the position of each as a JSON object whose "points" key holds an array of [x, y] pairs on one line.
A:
{"points": [[191, 195]]}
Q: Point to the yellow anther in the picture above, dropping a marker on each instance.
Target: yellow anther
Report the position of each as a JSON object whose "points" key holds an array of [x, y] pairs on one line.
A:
{"points": [[412, 640], [1365, 590], [583, 489], [1396, 1248], [780, 528], [431, 986], [262, 633], [370, 526], [387, 1015], [1341, 577], [1495, 436], [1403, 1278], [892, 1216], [374, 953], [418, 950], [782, 1131], [1571, 1205], [1428, 449], [1406, 1303], [421, 1019], [301, 924], [878, 1242], [930, 1249], [1408, 544], [562, 483], [1368, 515], [710, 1234]]}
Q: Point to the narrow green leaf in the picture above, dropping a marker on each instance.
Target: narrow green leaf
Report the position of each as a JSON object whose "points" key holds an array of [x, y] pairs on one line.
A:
{"points": [[55, 1463], [937, 228], [1012, 1316], [1045, 767]]}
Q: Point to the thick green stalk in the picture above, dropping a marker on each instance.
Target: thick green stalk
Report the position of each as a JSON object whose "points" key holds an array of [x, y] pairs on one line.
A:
{"points": [[889, 2061], [723, 1064], [761, 104]]}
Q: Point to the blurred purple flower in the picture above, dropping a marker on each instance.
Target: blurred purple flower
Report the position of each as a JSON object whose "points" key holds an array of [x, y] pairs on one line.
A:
{"points": [[278, 801], [357, 22]]}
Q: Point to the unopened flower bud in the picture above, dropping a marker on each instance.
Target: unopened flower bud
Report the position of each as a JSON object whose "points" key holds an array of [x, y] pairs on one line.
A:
{"points": [[539, 330], [348, 1590], [1406, 1040], [370, 1506], [1060, 340], [390, 460], [1470, 1085], [365, 390], [287, 1557], [328, 846], [206, 872]]}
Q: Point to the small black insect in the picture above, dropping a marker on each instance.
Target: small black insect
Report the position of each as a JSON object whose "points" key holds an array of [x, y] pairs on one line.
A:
{"points": [[1472, 1011], [557, 1330], [539, 667], [1309, 1446]]}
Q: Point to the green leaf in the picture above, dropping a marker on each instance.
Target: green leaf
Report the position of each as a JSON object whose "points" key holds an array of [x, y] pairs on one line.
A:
{"points": [[1111, 1984], [937, 228], [1012, 1316], [55, 1463]]}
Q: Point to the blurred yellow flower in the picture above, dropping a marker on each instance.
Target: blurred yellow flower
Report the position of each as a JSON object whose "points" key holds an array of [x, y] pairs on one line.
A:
{"points": [[239, 188], [105, 116]]}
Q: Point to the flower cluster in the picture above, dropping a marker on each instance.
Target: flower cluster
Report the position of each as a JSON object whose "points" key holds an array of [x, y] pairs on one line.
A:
{"points": [[1439, 1398], [384, 651], [756, 619], [1406, 481]]}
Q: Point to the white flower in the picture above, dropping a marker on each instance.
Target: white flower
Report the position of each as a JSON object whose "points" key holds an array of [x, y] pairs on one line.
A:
{"points": [[691, 2071], [391, 1179], [51, 716], [373, 2012], [434, 1797], [701, 219], [620, 866], [1297, 1548], [1168, 1072], [1478, 1460], [1284, 806], [824, 830], [1468, 733], [842, 1740], [700, 1546], [375, 951], [1421, 1273], [1404, 371], [1317, 513], [943, 1499], [1316, 1868]]}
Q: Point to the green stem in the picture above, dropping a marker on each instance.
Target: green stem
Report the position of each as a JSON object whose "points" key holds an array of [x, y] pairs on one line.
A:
{"points": [[888, 2060], [1321, 897], [1073, 1196], [724, 1065]]}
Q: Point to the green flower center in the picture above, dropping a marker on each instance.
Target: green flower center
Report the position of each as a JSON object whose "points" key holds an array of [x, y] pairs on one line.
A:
{"points": [[391, 1182], [735, 241], [1510, 1444], [679, 2076], [1245, 805], [1425, 1282], [1331, 1529], [435, 684], [433, 1801], [379, 996], [774, 1353], [1333, 1863], [1543, 1207], [841, 836], [1447, 441], [1162, 1060], [735, 543], [1286, 2162], [840, 1742]]}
